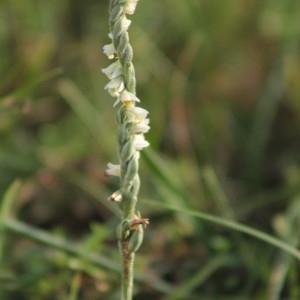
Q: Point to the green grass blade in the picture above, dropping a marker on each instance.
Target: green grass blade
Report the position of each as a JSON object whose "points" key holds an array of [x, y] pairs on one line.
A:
{"points": [[86, 112], [28, 87], [173, 192], [235, 226], [5, 207], [70, 248], [279, 272]]}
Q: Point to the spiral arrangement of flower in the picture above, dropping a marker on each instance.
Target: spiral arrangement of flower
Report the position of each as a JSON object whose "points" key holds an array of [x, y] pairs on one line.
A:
{"points": [[132, 124]]}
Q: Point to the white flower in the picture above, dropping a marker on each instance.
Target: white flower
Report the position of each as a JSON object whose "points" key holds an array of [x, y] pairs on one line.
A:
{"points": [[113, 170], [127, 98], [140, 142], [113, 70], [129, 7], [138, 112], [115, 86], [139, 119], [109, 50], [141, 126]]}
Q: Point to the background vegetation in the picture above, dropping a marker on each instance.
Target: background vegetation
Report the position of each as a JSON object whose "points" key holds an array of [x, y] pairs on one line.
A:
{"points": [[221, 82]]}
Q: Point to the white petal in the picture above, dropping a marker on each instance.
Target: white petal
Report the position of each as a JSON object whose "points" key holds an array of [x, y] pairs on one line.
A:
{"points": [[142, 126], [113, 170], [109, 50], [140, 142], [126, 96], [138, 112], [118, 101], [113, 70], [129, 7], [138, 116], [115, 86]]}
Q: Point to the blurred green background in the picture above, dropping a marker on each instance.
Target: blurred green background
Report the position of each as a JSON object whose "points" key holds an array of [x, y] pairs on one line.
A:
{"points": [[221, 82]]}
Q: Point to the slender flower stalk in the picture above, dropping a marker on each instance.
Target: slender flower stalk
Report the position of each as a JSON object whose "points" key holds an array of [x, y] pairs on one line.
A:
{"points": [[132, 124]]}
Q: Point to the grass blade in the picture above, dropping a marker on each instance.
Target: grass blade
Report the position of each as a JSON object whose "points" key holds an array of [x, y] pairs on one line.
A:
{"points": [[235, 226]]}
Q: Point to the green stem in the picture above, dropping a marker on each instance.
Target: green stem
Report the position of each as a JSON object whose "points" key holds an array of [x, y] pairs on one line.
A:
{"points": [[127, 270]]}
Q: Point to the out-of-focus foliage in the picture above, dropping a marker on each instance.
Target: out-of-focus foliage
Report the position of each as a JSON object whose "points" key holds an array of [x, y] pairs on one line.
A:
{"points": [[221, 82]]}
